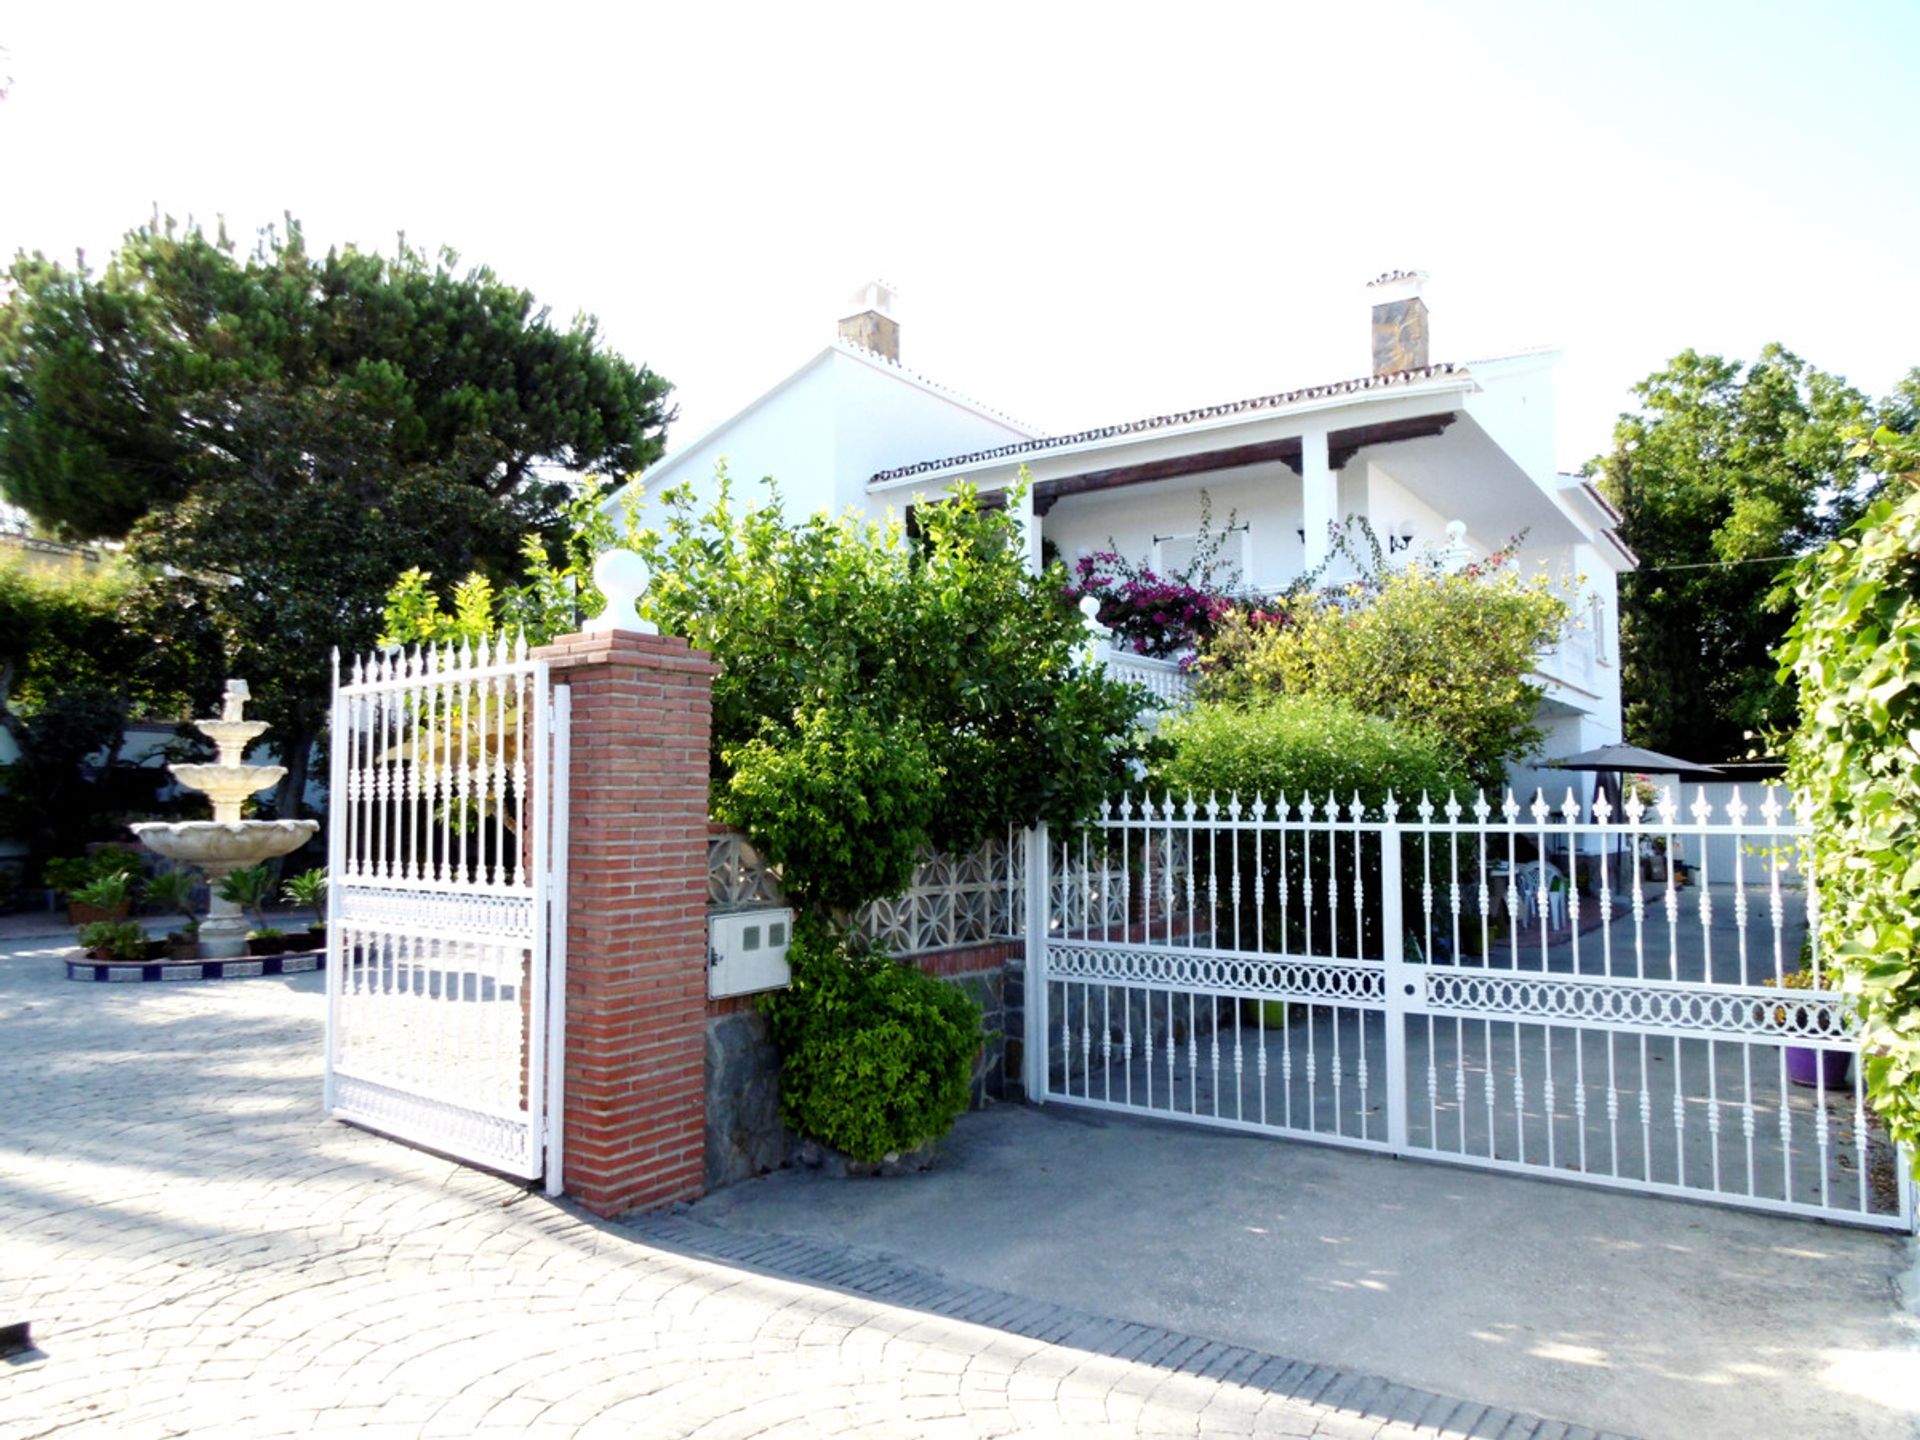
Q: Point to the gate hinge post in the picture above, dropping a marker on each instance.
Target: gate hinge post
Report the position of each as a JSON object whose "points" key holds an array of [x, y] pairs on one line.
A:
{"points": [[1033, 1070]]}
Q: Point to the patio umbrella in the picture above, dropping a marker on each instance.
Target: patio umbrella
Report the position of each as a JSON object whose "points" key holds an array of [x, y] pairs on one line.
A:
{"points": [[1615, 760], [1632, 757]]}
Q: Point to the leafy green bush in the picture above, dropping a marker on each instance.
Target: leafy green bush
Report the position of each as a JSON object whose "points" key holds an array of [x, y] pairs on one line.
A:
{"points": [[250, 889], [877, 1056], [115, 939], [309, 888], [73, 873], [77, 657], [172, 891], [107, 892], [551, 599], [837, 635], [1297, 745], [820, 799], [1450, 652], [1855, 649]]}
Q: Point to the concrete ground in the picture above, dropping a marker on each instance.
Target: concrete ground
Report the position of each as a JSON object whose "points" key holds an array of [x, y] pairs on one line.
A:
{"points": [[1630, 1313], [200, 1252]]}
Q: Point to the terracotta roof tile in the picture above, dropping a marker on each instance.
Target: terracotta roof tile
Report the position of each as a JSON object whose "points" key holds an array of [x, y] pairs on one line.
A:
{"points": [[1170, 421]]}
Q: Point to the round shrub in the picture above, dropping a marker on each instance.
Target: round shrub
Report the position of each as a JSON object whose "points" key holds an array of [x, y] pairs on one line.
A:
{"points": [[1451, 652], [877, 1055], [1298, 745]]}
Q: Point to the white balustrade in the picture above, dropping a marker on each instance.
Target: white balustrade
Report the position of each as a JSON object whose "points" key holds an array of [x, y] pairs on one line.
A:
{"points": [[1165, 680]]}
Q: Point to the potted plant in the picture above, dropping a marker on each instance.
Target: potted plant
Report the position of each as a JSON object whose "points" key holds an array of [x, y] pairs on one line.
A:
{"points": [[267, 940], [310, 889], [172, 891], [69, 876], [250, 889], [106, 897], [114, 940], [1808, 1064]]}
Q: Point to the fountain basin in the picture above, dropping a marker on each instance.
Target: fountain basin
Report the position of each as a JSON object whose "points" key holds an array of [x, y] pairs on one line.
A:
{"points": [[231, 736], [227, 785], [217, 846]]}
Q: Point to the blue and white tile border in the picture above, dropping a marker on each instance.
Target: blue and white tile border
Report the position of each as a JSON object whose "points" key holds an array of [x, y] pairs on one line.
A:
{"points": [[243, 967]]}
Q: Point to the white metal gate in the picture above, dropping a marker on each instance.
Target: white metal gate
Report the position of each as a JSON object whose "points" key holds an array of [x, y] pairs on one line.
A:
{"points": [[447, 903], [1599, 999]]}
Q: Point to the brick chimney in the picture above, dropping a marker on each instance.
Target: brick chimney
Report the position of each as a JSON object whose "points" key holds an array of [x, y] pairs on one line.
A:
{"points": [[1399, 322], [869, 321]]}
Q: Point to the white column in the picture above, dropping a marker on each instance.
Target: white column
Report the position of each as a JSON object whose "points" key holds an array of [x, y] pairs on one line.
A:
{"points": [[1319, 493], [1029, 527]]}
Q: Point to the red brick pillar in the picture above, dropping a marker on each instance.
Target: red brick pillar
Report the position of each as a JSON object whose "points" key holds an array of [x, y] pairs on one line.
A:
{"points": [[636, 918]]}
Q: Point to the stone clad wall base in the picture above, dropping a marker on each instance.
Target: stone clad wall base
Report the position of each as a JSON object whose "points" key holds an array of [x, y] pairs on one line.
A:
{"points": [[635, 1104], [744, 1134]]}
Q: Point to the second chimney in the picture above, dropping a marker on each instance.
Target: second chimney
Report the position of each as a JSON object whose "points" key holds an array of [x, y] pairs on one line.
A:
{"points": [[870, 323], [1400, 339]]}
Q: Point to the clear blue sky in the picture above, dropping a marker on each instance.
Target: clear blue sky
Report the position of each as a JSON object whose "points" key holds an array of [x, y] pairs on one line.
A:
{"points": [[1090, 213]]}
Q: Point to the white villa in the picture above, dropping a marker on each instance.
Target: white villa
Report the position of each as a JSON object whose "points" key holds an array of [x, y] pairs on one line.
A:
{"points": [[1433, 454]]}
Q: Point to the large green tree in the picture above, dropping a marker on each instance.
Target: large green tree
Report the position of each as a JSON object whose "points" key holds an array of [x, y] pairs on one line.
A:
{"points": [[1723, 474], [280, 433], [78, 659], [287, 538]]}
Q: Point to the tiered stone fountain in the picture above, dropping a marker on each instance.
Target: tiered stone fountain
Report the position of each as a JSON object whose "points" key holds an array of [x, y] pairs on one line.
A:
{"points": [[226, 843]]}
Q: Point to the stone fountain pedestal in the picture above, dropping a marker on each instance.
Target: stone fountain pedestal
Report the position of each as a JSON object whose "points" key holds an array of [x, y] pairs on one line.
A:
{"points": [[226, 843]]}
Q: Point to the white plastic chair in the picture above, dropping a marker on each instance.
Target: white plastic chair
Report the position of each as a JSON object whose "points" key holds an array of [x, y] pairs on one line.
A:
{"points": [[1556, 898], [1526, 881]]}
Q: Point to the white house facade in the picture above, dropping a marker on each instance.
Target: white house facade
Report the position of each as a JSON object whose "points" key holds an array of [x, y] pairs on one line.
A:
{"points": [[1434, 455], [849, 413]]}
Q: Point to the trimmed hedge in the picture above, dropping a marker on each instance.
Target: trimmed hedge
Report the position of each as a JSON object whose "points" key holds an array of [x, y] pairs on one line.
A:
{"points": [[1296, 745]]}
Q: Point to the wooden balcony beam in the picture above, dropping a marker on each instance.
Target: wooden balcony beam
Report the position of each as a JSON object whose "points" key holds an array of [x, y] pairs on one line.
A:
{"points": [[1342, 446]]}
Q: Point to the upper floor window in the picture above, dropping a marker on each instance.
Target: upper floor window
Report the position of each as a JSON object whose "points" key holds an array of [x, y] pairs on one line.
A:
{"points": [[1232, 559]]}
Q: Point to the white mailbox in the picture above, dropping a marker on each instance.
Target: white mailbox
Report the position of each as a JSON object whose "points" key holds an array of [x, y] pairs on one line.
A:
{"points": [[747, 951]]}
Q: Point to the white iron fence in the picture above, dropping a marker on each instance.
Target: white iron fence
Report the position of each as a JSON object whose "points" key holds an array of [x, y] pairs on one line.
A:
{"points": [[449, 770], [1515, 988]]}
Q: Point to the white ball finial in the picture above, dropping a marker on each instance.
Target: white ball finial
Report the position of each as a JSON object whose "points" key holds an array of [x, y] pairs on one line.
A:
{"points": [[622, 577]]}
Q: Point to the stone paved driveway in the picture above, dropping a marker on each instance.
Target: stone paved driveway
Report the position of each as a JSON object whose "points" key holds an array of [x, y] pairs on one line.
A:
{"points": [[200, 1252]]}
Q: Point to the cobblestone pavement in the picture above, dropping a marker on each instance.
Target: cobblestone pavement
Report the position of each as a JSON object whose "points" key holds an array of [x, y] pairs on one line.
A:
{"points": [[200, 1252]]}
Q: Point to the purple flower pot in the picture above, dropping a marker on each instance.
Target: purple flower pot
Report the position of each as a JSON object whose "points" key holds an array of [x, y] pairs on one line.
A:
{"points": [[1807, 1066]]}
